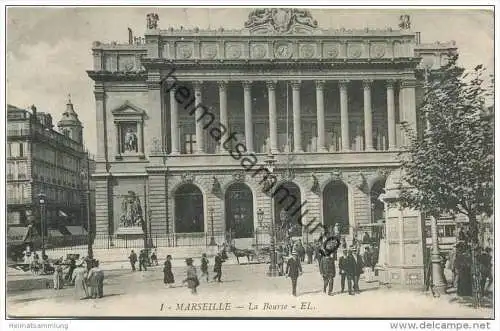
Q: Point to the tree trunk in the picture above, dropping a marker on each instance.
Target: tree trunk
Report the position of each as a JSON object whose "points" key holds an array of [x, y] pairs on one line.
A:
{"points": [[476, 275]]}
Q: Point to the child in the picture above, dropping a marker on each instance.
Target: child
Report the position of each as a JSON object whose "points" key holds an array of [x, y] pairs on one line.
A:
{"points": [[204, 266]]}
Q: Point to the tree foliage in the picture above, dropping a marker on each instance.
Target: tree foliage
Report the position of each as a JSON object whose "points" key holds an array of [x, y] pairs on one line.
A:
{"points": [[450, 168]]}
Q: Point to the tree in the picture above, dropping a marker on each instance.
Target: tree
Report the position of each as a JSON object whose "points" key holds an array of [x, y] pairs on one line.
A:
{"points": [[450, 169]]}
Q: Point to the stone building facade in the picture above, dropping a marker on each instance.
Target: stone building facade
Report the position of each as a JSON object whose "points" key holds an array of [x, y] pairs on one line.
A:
{"points": [[326, 104]]}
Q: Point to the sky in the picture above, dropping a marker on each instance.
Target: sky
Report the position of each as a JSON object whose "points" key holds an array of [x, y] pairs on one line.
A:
{"points": [[49, 49]]}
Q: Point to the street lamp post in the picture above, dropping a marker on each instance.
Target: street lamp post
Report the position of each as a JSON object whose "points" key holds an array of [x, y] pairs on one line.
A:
{"points": [[42, 201], [149, 234], [85, 174], [212, 238], [260, 218], [273, 270], [438, 283]]}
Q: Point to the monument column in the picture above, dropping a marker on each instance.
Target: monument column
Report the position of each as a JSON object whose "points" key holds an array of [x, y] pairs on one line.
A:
{"points": [[174, 123], [344, 115], [200, 143], [391, 116], [320, 115], [297, 134], [223, 109], [247, 91], [273, 125], [367, 101]]}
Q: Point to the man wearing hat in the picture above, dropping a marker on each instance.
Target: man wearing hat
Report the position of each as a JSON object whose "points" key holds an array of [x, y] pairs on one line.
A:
{"points": [[218, 267], [327, 269], [354, 268], [343, 270], [293, 270]]}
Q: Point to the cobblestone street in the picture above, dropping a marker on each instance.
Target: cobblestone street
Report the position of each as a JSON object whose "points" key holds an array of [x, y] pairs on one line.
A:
{"points": [[245, 292]]}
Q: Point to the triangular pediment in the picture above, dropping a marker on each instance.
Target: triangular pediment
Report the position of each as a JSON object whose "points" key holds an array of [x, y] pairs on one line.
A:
{"points": [[128, 108]]}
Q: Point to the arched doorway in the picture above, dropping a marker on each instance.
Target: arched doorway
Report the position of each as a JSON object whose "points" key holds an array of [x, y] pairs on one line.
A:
{"points": [[239, 211], [377, 206], [189, 216], [287, 209], [336, 206]]}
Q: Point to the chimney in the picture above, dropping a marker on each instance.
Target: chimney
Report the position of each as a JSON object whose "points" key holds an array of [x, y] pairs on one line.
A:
{"points": [[130, 36]]}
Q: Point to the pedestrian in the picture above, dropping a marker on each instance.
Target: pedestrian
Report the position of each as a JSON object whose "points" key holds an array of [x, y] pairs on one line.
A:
{"points": [[80, 281], [301, 251], [280, 260], [309, 253], [92, 279], [58, 278], [293, 270], [343, 270], [154, 257], [99, 279], [354, 268], [327, 270], [463, 264], [192, 278], [71, 269], [485, 267], [143, 258], [218, 267], [204, 266], [452, 266], [367, 265], [133, 259], [168, 276]]}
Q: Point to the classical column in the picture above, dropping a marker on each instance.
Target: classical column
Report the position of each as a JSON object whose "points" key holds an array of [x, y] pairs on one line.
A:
{"points": [[153, 125], [344, 115], [408, 112], [101, 156], [320, 115], [118, 139], [174, 123], [273, 124], [140, 146], [391, 116], [247, 91], [367, 101], [200, 143], [223, 109], [297, 134]]}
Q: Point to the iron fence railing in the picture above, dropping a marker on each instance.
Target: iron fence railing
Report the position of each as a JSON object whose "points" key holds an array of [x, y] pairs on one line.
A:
{"points": [[260, 238]]}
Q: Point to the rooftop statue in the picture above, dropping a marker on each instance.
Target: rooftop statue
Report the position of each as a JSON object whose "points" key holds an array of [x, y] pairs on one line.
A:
{"points": [[152, 21], [280, 20]]}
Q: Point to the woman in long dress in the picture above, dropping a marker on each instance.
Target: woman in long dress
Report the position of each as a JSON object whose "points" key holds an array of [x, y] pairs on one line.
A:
{"points": [[168, 276], [80, 280], [464, 263], [58, 278]]}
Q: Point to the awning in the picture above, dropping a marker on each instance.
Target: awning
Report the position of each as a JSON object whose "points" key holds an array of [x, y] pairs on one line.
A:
{"points": [[76, 230], [16, 232], [54, 233]]}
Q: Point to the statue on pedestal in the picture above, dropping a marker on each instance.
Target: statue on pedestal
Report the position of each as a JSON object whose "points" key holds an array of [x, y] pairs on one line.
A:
{"points": [[130, 141]]}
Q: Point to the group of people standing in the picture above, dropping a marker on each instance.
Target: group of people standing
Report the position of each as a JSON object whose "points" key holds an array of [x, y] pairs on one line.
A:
{"points": [[351, 265]]}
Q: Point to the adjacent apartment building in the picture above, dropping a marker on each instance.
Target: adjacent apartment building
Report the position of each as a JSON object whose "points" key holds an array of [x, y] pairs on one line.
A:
{"points": [[43, 160]]}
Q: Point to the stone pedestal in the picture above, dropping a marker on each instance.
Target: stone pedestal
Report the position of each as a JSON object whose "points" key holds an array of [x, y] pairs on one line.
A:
{"points": [[404, 241], [130, 233]]}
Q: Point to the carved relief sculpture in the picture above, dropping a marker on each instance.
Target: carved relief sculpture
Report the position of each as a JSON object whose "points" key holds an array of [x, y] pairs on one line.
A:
{"points": [[131, 211], [187, 177], [280, 20], [216, 187], [239, 176], [404, 22], [315, 184], [357, 180], [152, 21]]}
